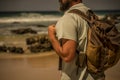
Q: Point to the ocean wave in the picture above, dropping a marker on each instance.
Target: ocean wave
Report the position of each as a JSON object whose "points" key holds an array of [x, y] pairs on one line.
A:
{"points": [[29, 17]]}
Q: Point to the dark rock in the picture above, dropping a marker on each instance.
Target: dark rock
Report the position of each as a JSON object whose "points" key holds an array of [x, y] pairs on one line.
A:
{"points": [[37, 39], [32, 40], [3, 48], [15, 49], [19, 50], [16, 22], [39, 44], [41, 25], [35, 48], [24, 31]]}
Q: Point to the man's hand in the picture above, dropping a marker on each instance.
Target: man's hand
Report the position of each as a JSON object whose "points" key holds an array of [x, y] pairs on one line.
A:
{"points": [[51, 32]]}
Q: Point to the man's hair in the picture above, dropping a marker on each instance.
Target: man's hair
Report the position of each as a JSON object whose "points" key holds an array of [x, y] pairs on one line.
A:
{"points": [[77, 0], [66, 5]]}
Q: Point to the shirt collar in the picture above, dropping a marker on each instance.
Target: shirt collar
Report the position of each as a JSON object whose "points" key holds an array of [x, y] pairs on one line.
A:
{"points": [[75, 6]]}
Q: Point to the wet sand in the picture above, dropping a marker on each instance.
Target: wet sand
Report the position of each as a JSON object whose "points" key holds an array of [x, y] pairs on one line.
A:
{"points": [[43, 66], [29, 67]]}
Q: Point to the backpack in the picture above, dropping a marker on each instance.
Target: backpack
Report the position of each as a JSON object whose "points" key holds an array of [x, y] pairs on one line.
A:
{"points": [[103, 43]]}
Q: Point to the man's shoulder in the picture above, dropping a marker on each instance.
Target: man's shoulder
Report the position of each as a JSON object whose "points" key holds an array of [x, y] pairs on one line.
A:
{"points": [[80, 7], [68, 15]]}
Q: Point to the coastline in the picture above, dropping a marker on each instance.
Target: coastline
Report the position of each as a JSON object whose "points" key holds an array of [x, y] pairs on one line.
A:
{"points": [[28, 55], [33, 66], [39, 66]]}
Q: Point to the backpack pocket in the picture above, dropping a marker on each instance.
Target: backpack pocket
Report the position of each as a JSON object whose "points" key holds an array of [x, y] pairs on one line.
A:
{"points": [[93, 53]]}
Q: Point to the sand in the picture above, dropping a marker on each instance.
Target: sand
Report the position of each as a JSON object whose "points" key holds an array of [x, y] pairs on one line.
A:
{"points": [[41, 66]]}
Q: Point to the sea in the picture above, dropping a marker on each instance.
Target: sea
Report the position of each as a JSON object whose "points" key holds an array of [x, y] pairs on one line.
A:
{"points": [[38, 21]]}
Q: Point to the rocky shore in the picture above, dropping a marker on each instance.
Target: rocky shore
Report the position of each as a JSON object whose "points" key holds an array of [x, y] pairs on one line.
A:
{"points": [[28, 55], [29, 44], [28, 40]]}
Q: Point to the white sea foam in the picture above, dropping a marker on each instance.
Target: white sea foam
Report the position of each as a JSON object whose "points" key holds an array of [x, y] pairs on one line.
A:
{"points": [[101, 16], [31, 17]]}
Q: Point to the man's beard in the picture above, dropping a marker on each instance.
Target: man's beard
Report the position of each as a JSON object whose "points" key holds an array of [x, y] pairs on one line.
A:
{"points": [[64, 6]]}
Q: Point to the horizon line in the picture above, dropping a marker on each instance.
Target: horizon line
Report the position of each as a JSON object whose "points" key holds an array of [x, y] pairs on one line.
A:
{"points": [[50, 11]]}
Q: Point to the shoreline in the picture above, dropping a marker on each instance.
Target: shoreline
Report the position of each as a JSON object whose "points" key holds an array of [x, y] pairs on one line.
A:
{"points": [[39, 66], [28, 55]]}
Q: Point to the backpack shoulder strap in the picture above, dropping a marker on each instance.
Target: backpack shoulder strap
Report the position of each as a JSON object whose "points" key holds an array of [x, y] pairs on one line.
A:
{"points": [[90, 17]]}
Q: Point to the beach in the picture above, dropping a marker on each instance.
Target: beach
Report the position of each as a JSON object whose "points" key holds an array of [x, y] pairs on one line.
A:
{"points": [[40, 66], [29, 67], [32, 64]]}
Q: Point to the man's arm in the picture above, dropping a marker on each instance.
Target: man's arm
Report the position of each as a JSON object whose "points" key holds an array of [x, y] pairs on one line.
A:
{"points": [[68, 48]]}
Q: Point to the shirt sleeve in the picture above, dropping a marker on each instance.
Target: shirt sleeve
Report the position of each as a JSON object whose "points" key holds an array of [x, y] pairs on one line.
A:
{"points": [[66, 27]]}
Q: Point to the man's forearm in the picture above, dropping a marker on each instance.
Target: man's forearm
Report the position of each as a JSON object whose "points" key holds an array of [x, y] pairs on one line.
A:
{"points": [[54, 40], [56, 45], [67, 50]]}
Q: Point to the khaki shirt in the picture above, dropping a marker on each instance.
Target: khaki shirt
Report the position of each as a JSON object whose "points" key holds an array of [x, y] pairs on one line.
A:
{"points": [[72, 26]]}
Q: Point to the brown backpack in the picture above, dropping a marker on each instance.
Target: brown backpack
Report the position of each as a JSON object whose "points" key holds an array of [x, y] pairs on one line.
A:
{"points": [[103, 46]]}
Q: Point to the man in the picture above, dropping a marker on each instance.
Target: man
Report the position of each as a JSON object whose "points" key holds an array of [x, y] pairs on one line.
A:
{"points": [[69, 34]]}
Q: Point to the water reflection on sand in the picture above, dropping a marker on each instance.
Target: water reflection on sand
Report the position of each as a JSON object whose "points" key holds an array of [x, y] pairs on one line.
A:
{"points": [[29, 68]]}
